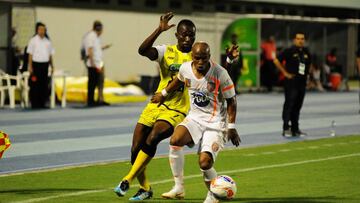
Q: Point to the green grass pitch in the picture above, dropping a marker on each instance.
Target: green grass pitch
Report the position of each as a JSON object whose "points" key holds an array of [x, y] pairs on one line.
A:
{"points": [[324, 170]]}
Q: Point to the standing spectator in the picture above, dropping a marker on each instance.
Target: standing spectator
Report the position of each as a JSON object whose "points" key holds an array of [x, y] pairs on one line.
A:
{"points": [[235, 68], [95, 64], [40, 52], [25, 56], [268, 70], [297, 63]]}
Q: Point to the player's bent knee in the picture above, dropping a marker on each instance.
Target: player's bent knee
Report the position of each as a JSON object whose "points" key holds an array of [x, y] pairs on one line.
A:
{"points": [[176, 141], [151, 140], [154, 139], [205, 162], [173, 141], [206, 165]]}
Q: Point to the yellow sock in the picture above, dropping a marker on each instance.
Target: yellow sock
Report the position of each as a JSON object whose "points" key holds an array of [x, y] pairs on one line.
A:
{"points": [[143, 180], [140, 163]]}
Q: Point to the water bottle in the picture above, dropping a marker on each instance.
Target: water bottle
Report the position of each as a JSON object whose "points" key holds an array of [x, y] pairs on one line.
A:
{"points": [[332, 130]]}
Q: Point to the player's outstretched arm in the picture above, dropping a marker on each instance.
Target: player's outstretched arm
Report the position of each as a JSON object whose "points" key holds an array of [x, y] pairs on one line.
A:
{"points": [[146, 48], [159, 97], [232, 54], [231, 112]]}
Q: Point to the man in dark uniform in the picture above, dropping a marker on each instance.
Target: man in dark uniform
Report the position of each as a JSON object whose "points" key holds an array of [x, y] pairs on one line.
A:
{"points": [[234, 68], [297, 64]]}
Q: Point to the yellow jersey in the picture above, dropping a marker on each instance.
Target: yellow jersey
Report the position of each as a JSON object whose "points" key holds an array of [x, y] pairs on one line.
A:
{"points": [[170, 60]]}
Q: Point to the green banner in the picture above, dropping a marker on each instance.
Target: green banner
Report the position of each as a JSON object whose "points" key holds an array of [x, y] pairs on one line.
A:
{"points": [[248, 72], [246, 32]]}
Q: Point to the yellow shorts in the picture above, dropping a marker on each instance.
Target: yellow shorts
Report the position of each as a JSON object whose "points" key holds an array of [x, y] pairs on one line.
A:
{"points": [[153, 113]]}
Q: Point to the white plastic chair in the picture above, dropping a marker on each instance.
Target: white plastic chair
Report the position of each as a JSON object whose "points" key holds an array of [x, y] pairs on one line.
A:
{"points": [[21, 83], [5, 86], [58, 74]]}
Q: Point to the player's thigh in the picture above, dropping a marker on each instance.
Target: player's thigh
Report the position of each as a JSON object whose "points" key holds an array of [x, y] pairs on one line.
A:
{"points": [[211, 143], [189, 133], [140, 135], [144, 126], [181, 137], [161, 130]]}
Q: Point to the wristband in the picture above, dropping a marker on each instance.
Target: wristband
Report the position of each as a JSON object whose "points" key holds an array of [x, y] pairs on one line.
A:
{"points": [[229, 61], [231, 125], [164, 92]]}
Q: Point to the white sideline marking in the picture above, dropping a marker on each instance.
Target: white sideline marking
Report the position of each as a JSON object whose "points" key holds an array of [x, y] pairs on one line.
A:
{"points": [[251, 154], [197, 176], [300, 148], [268, 153], [285, 150]]}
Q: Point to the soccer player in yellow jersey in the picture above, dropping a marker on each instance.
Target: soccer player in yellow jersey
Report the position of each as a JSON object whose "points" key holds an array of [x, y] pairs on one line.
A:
{"points": [[157, 123]]}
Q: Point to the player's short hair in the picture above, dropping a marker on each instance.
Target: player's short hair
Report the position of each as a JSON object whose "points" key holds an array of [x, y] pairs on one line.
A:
{"points": [[298, 32], [185, 22], [97, 25]]}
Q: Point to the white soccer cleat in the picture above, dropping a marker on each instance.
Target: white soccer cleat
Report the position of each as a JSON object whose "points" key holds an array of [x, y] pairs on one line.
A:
{"points": [[210, 198], [174, 193]]}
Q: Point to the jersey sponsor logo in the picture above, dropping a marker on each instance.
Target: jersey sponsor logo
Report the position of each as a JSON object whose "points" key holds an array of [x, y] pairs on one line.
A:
{"points": [[200, 99], [174, 67]]}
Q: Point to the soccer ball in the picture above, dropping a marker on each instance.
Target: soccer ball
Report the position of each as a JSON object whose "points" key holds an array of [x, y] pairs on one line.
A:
{"points": [[223, 187]]}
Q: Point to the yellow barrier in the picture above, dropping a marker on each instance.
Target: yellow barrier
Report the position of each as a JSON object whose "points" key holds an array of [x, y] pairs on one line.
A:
{"points": [[76, 91]]}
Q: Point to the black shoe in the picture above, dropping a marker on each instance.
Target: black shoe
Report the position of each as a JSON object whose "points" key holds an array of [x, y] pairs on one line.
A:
{"points": [[92, 104], [102, 103], [142, 195], [287, 133], [122, 188], [299, 133]]}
